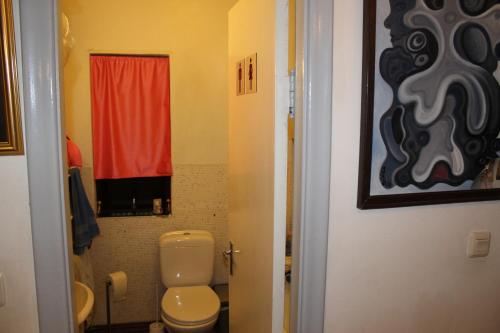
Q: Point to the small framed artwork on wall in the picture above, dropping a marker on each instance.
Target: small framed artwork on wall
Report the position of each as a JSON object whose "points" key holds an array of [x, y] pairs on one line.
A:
{"points": [[251, 74], [11, 136], [430, 127], [240, 78]]}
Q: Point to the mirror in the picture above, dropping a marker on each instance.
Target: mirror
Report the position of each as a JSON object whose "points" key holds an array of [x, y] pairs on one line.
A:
{"points": [[11, 136]]}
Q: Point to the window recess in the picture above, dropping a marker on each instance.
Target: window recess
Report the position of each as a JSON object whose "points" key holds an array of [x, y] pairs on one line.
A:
{"points": [[131, 134]]}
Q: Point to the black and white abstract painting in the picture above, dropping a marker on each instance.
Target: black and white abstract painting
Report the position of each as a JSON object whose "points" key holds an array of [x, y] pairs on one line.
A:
{"points": [[432, 108]]}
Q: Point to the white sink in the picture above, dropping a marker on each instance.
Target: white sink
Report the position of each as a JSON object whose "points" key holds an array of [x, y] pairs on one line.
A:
{"points": [[84, 301]]}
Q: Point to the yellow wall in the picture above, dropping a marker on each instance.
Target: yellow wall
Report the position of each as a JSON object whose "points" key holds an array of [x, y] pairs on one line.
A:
{"points": [[192, 32], [291, 121], [257, 168], [291, 34]]}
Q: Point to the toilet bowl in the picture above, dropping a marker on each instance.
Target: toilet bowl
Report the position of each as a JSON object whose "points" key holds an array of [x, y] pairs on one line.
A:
{"points": [[190, 309], [189, 305]]}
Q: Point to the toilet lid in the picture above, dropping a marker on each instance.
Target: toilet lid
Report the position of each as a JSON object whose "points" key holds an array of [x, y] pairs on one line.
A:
{"points": [[190, 305]]}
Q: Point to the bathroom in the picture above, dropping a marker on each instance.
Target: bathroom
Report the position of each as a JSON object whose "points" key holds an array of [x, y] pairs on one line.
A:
{"points": [[193, 36]]}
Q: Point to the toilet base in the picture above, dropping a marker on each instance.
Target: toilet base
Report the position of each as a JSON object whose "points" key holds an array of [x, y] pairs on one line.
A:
{"points": [[175, 328]]}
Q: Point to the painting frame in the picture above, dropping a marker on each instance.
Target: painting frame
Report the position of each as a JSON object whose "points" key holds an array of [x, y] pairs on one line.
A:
{"points": [[11, 133], [366, 200]]}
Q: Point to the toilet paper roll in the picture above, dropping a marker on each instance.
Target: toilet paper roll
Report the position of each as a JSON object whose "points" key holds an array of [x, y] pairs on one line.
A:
{"points": [[156, 328], [118, 282]]}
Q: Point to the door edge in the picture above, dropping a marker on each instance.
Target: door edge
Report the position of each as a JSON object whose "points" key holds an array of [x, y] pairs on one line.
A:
{"points": [[313, 133]]}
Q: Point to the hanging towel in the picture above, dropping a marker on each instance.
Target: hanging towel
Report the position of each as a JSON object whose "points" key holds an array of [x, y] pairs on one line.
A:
{"points": [[85, 227]]}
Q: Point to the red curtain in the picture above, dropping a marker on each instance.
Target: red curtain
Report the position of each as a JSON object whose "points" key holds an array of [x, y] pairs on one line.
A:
{"points": [[131, 116]]}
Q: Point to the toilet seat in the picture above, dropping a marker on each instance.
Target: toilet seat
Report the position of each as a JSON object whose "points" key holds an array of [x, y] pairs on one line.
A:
{"points": [[190, 306]]}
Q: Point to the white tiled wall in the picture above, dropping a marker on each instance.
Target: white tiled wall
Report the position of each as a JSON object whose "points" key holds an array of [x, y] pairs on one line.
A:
{"points": [[130, 244]]}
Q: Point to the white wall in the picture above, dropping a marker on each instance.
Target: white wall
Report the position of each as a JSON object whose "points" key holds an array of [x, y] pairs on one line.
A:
{"points": [[16, 251], [398, 270]]}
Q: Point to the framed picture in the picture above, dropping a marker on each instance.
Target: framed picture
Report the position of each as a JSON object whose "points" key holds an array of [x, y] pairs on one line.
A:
{"points": [[11, 136], [240, 78], [251, 74], [431, 103]]}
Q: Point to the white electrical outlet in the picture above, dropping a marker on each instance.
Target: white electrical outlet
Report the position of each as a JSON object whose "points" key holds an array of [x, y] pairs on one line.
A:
{"points": [[3, 293], [479, 244]]}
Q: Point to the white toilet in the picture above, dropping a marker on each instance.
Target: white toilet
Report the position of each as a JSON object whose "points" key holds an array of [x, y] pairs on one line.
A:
{"points": [[187, 265]]}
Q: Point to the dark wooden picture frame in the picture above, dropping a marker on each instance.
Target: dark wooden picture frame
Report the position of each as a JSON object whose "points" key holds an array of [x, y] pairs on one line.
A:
{"points": [[367, 200], [11, 134]]}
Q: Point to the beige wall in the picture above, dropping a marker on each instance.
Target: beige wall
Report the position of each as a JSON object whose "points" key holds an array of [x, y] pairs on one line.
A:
{"points": [[257, 166], [289, 191], [291, 121], [130, 244], [398, 270], [16, 251], [192, 32], [291, 34]]}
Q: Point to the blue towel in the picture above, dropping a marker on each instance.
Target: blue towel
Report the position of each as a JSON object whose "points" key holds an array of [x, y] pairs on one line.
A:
{"points": [[85, 227]]}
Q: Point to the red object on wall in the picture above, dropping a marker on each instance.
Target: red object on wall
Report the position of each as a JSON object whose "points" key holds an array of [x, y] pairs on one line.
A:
{"points": [[74, 154], [131, 116]]}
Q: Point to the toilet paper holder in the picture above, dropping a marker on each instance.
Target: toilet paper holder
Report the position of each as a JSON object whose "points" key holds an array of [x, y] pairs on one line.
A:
{"points": [[116, 283], [108, 306]]}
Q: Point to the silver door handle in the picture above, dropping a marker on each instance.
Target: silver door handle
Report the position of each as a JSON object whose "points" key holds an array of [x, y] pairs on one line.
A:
{"points": [[228, 254]]}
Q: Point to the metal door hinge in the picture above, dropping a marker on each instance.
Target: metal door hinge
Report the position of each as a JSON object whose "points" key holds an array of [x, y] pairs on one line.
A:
{"points": [[293, 77]]}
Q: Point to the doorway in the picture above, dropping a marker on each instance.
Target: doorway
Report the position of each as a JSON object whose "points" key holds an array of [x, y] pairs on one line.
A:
{"points": [[181, 55], [44, 164]]}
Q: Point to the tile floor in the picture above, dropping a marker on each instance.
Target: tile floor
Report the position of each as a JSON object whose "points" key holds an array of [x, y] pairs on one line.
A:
{"points": [[140, 331]]}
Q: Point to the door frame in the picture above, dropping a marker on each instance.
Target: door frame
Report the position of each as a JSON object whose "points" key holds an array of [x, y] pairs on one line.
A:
{"points": [[46, 159], [313, 134]]}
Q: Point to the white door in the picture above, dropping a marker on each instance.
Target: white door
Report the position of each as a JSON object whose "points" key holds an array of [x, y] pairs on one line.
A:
{"points": [[257, 164]]}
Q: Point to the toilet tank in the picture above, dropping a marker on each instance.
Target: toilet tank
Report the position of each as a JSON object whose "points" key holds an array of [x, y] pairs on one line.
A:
{"points": [[187, 258]]}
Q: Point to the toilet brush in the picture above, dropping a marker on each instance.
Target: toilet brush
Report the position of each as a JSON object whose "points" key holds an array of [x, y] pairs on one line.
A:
{"points": [[157, 327]]}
